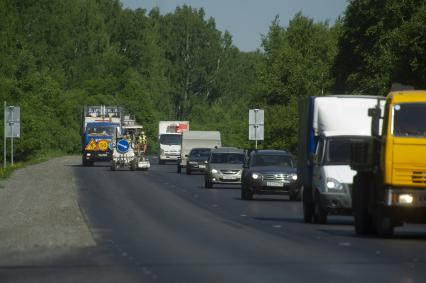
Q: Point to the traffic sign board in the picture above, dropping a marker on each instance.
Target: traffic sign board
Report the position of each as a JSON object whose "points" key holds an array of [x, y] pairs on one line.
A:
{"points": [[123, 146], [103, 145], [91, 145], [13, 122], [256, 125]]}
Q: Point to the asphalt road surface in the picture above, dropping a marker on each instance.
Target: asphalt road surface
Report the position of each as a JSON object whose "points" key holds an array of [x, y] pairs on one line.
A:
{"points": [[159, 226]]}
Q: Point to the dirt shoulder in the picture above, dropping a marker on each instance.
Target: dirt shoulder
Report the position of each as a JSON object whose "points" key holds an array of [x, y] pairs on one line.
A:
{"points": [[39, 208]]}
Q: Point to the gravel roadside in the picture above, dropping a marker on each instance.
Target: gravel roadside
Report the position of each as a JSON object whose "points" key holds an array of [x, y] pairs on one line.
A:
{"points": [[39, 209]]}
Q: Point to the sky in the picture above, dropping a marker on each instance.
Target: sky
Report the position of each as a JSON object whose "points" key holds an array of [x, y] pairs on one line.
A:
{"points": [[247, 20]]}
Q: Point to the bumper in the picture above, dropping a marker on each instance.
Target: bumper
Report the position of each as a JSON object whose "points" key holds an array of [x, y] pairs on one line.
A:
{"points": [[337, 203], [169, 157], [224, 179], [197, 167], [97, 155], [403, 211], [274, 188]]}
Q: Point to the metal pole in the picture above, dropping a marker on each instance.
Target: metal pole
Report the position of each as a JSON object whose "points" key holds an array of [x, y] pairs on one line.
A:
{"points": [[255, 127], [11, 134], [11, 148], [4, 139]]}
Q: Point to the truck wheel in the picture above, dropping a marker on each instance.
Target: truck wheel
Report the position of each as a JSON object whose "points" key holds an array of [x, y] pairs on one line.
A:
{"points": [[384, 226], [132, 166], [308, 206], [160, 162], [320, 214], [246, 194], [179, 169], [113, 166], [188, 171], [360, 201], [84, 162]]}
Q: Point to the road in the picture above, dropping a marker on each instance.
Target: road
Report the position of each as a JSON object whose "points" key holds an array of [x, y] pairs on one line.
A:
{"points": [[158, 226]]}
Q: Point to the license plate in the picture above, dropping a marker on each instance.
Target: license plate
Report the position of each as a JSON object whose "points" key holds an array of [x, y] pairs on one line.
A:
{"points": [[202, 166], [102, 155], [229, 177], [274, 184]]}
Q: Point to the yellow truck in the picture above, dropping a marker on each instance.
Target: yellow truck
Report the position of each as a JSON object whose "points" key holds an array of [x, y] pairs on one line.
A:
{"points": [[389, 188]]}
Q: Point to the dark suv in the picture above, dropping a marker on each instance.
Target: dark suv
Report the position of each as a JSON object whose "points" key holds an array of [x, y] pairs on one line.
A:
{"points": [[269, 172], [197, 159]]}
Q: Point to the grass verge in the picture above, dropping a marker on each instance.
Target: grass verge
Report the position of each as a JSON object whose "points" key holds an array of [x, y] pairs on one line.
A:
{"points": [[42, 157]]}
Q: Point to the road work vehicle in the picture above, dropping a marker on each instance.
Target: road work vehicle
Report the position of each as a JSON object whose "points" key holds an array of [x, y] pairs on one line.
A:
{"points": [[193, 139], [390, 185], [169, 140], [130, 147], [100, 123], [327, 124]]}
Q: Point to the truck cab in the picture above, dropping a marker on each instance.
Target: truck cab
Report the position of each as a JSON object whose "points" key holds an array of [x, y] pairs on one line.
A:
{"points": [[98, 142], [390, 184], [332, 176]]}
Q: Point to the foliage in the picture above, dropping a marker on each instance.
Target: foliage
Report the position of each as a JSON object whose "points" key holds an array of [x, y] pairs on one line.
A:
{"points": [[56, 56]]}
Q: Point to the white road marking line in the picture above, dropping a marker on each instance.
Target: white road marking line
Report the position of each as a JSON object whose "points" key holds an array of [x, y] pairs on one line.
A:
{"points": [[345, 244], [277, 226], [243, 215]]}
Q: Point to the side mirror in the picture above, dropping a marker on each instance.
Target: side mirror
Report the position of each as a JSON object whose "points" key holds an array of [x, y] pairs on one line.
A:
{"points": [[312, 159], [375, 114]]}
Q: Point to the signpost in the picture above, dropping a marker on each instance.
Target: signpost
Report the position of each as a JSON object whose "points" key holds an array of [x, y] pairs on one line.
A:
{"points": [[12, 129], [256, 125]]}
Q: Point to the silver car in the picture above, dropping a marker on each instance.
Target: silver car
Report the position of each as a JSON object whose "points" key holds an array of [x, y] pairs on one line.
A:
{"points": [[224, 166]]}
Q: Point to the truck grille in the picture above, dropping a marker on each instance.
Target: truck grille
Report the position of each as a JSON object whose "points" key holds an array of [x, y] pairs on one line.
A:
{"points": [[277, 177], [229, 172], [418, 177]]}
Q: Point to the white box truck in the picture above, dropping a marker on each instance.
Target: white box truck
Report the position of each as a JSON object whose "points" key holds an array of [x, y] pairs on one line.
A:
{"points": [[193, 139], [327, 124], [169, 140]]}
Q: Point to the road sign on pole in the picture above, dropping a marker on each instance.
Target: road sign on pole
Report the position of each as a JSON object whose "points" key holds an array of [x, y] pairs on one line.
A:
{"points": [[12, 128], [256, 125]]}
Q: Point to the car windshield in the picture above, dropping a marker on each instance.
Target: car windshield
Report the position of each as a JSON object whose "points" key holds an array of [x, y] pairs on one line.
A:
{"points": [[338, 151], [170, 139], [200, 152], [101, 130], [230, 158], [409, 120], [272, 160]]}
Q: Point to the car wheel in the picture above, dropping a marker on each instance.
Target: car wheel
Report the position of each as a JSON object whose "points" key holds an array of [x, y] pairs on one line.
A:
{"points": [[188, 171], [246, 194], [208, 184], [160, 162], [113, 166], [179, 169]]}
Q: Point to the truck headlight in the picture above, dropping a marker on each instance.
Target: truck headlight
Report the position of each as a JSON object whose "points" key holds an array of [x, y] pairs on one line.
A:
{"points": [[214, 171], [405, 199], [333, 184], [294, 177], [255, 176]]}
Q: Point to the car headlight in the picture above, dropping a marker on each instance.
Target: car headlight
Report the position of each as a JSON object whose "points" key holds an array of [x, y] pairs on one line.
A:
{"points": [[333, 184], [214, 171], [294, 177], [255, 176]]}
